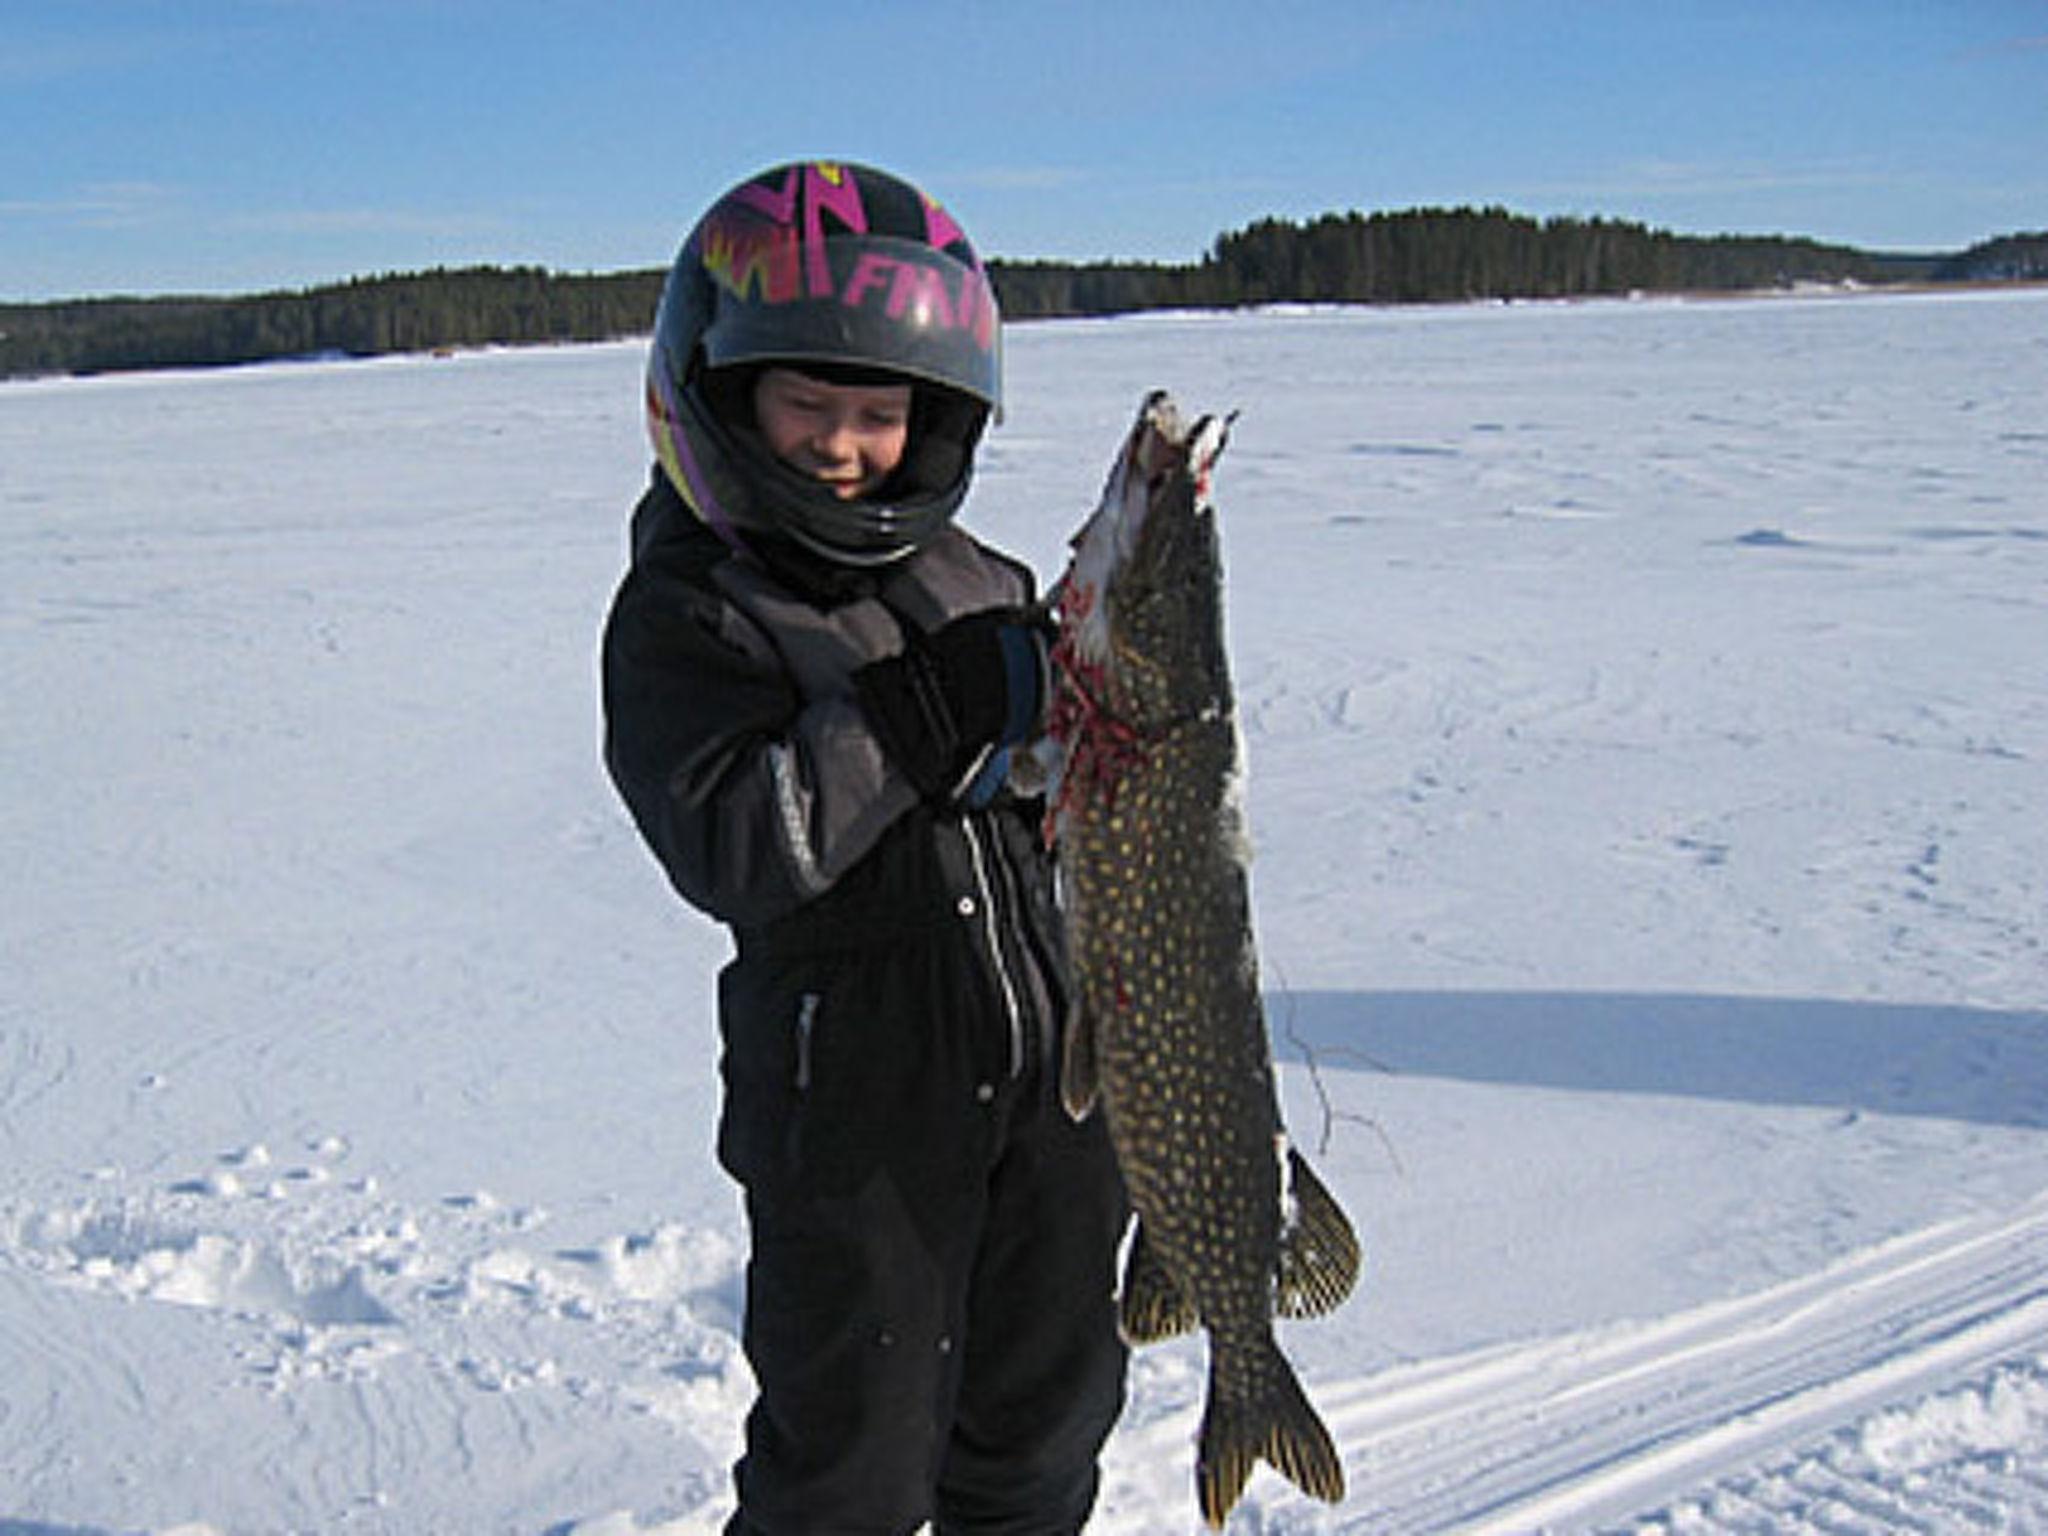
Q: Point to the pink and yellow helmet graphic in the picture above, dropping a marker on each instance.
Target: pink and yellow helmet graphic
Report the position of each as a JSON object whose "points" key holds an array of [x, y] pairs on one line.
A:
{"points": [[838, 266]]}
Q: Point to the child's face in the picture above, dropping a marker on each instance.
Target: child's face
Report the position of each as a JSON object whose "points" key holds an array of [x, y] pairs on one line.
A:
{"points": [[849, 437]]}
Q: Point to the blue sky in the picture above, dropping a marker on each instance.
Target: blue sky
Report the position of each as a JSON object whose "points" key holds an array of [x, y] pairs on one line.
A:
{"points": [[152, 146]]}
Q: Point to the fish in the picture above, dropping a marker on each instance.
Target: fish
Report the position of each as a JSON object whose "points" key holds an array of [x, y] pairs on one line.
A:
{"points": [[1169, 1040]]}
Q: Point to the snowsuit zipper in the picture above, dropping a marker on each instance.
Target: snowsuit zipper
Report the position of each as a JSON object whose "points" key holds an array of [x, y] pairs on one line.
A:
{"points": [[991, 927]]}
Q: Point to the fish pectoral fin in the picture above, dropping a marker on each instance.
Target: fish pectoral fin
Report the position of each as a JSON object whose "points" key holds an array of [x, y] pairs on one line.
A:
{"points": [[1080, 1085], [1152, 1305], [1319, 1254], [1277, 1426]]}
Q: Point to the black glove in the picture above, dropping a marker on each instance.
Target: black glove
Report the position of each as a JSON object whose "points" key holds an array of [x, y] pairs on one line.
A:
{"points": [[956, 697]]}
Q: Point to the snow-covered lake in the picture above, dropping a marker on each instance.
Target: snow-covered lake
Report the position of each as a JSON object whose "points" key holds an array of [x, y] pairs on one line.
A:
{"points": [[1648, 725]]}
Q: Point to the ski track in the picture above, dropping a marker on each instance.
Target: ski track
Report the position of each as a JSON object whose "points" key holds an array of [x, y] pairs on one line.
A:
{"points": [[1682, 1415]]}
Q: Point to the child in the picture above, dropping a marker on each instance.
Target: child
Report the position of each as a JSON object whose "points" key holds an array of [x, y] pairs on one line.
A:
{"points": [[813, 680]]}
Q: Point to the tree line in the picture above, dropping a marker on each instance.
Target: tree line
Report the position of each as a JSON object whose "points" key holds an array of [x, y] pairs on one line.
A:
{"points": [[1437, 255], [400, 312], [1417, 256], [2008, 259]]}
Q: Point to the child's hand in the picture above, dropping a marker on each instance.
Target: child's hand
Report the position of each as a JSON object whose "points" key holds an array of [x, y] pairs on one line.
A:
{"points": [[955, 696]]}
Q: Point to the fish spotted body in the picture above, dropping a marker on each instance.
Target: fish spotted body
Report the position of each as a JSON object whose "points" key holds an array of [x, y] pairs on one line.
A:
{"points": [[1170, 1036]]}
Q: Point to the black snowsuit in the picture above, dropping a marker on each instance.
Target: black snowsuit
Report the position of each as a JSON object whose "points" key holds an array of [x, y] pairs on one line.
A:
{"points": [[929, 1311]]}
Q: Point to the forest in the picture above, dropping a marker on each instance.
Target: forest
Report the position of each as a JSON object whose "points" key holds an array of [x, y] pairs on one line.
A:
{"points": [[1425, 255]]}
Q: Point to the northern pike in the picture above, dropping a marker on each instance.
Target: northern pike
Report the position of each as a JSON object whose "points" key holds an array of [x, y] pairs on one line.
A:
{"points": [[1170, 1035]]}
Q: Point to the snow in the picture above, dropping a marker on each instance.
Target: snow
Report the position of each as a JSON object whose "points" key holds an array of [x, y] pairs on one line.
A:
{"points": [[1646, 726]]}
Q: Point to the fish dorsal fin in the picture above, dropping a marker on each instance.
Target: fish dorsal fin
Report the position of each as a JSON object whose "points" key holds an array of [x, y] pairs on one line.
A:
{"points": [[1152, 1304], [1319, 1254], [1080, 1081]]}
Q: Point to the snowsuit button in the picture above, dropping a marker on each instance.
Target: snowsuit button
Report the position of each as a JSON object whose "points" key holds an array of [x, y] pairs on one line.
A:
{"points": [[964, 906], [985, 1093]]}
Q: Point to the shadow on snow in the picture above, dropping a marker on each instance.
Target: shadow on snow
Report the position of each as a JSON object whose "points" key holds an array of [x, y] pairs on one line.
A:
{"points": [[1947, 1062]]}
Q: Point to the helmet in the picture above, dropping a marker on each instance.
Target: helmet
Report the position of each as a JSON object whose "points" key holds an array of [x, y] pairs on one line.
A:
{"points": [[849, 273]]}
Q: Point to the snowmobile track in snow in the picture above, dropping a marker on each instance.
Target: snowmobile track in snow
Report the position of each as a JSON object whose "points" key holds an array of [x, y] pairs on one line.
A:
{"points": [[1595, 1426], [1587, 1430]]}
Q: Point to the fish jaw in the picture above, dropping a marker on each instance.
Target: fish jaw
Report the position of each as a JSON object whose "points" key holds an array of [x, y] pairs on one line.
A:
{"points": [[1104, 545], [1136, 537], [1141, 647]]}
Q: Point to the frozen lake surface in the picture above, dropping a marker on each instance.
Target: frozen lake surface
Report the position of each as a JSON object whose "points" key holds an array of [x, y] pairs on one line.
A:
{"points": [[1648, 731]]}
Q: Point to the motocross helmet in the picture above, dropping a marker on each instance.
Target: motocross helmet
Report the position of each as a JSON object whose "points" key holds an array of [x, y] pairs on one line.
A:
{"points": [[849, 274]]}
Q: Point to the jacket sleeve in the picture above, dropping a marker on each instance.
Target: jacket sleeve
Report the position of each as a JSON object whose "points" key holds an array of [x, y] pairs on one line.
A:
{"points": [[754, 798]]}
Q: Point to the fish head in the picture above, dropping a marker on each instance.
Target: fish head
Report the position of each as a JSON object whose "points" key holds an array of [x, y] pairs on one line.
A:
{"points": [[1142, 602]]}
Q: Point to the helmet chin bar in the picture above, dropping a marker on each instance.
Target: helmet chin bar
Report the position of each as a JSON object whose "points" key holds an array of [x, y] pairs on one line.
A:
{"points": [[862, 531]]}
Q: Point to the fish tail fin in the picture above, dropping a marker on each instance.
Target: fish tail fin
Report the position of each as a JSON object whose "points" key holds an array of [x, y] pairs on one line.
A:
{"points": [[1275, 1424], [1319, 1253], [1152, 1304]]}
